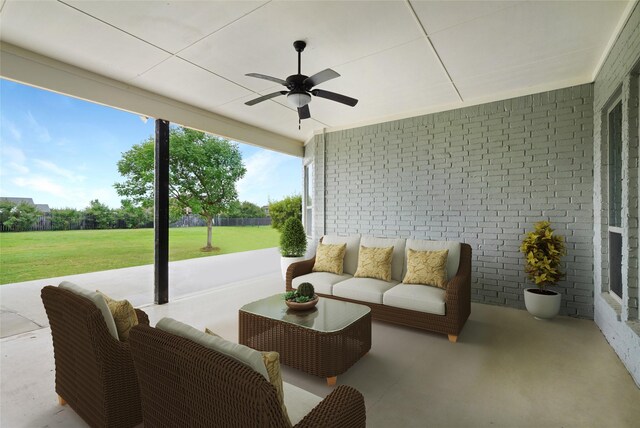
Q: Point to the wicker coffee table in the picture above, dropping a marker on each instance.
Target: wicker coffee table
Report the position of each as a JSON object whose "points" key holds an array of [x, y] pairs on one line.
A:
{"points": [[324, 341]]}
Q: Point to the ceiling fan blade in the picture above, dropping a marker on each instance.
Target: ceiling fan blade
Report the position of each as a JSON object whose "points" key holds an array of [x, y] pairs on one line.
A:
{"points": [[303, 112], [319, 78], [335, 97], [266, 97], [265, 77]]}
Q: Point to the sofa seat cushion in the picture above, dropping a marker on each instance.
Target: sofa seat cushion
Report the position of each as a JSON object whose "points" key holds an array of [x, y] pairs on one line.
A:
{"points": [[298, 402], [363, 289], [416, 297], [322, 282]]}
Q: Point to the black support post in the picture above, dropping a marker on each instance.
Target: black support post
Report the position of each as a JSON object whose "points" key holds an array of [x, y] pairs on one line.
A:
{"points": [[161, 213]]}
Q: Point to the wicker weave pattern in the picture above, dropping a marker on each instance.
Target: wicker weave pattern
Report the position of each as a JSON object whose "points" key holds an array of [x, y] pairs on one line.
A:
{"points": [[94, 371], [185, 384], [457, 300], [314, 352]]}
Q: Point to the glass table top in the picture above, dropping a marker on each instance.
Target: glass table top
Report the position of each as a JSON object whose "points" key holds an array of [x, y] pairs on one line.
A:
{"points": [[329, 315]]}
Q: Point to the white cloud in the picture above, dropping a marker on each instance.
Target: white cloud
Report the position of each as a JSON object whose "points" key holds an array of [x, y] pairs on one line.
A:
{"points": [[39, 183], [260, 178], [12, 160], [42, 133], [62, 172], [7, 125]]}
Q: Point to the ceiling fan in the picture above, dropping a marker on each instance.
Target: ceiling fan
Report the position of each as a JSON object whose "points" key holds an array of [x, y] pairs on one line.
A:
{"points": [[300, 87]]}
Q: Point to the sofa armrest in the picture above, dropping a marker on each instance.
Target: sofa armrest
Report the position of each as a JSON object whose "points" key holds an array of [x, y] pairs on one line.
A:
{"points": [[458, 295], [143, 318], [298, 269], [344, 407]]}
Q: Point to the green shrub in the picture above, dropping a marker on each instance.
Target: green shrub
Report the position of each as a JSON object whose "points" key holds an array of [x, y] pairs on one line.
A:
{"points": [[281, 211], [293, 240]]}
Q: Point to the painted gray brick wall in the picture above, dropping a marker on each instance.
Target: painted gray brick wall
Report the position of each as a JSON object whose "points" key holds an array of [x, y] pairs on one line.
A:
{"points": [[482, 175], [618, 77]]}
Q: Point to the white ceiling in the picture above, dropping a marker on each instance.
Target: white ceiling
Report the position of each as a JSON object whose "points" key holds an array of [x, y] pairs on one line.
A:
{"points": [[198, 52]]}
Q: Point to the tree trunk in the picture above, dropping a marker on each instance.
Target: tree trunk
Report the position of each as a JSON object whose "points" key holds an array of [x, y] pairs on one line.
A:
{"points": [[209, 247]]}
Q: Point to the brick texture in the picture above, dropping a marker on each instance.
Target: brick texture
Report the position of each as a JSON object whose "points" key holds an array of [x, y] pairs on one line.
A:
{"points": [[618, 79], [482, 175]]}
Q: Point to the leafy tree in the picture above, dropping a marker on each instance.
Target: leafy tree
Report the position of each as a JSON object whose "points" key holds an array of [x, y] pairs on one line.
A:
{"points": [[134, 216], [100, 215], [19, 217], [203, 171], [64, 218], [280, 211], [245, 210]]}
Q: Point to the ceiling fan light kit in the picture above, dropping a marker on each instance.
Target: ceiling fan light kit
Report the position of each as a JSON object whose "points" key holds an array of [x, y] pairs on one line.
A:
{"points": [[298, 99], [300, 87]]}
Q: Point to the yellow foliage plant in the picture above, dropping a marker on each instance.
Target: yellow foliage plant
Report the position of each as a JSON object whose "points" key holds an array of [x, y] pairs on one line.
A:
{"points": [[543, 251]]}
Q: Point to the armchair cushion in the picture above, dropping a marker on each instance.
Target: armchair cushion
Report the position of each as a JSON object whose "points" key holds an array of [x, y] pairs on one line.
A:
{"points": [[98, 300], [363, 289], [298, 402], [240, 353], [416, 297], [330, 258], [323, 282]]}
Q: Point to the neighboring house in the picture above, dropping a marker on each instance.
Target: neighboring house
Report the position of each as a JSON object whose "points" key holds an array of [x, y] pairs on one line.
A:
{"points": [[17, 201], [43, 208]]}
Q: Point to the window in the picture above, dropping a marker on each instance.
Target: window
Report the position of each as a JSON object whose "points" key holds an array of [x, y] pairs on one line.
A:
{"points": [[308, 198], [615, 199]]}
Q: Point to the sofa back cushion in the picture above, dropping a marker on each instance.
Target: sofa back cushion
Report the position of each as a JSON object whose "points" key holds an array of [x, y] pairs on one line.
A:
{"points": [[397, 262], [453, 259], [350, 264]]}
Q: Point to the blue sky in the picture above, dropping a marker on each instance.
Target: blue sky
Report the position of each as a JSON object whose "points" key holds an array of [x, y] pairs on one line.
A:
{"points": [[62, 151]]}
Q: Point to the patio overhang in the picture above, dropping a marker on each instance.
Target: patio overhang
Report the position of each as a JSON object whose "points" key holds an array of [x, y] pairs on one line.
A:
{"points": [[30, 68]]}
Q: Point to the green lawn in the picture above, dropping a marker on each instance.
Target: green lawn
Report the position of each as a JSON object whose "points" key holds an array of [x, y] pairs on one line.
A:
{"points": [[33, 255]]}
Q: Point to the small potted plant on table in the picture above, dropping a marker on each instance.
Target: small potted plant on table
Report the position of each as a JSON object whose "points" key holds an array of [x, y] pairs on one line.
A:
{"points": [[303, 298], [293, 244], [543, 252]]}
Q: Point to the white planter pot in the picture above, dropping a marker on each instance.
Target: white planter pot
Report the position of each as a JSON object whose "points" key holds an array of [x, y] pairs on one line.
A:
{"points": [[285, 262], [542, 306]]}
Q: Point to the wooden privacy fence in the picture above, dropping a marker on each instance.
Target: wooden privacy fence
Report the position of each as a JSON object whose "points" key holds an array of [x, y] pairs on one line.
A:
{"points": [[44, 223]]}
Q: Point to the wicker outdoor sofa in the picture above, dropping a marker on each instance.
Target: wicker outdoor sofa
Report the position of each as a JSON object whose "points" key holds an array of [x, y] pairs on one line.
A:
{"points": [[419, 306], [186, 384]]}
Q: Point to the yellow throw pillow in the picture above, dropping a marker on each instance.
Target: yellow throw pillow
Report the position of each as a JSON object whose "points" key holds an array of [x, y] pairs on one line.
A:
{"points": [[374, 262], [330, 258], [272, 364], [427, 267], [123, 314]]}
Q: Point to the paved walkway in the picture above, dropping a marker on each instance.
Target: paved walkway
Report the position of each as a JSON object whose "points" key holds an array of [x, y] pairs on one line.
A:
{"points": [[21, 309]]}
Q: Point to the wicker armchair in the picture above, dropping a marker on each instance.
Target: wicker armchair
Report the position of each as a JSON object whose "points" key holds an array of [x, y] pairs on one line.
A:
{"points": [[94, 371], [185, 384]]}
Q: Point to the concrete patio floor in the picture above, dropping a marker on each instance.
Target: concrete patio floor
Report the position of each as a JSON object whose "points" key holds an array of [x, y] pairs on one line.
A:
{"points": [[507, 369]]}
